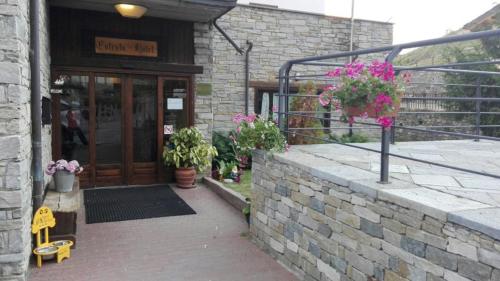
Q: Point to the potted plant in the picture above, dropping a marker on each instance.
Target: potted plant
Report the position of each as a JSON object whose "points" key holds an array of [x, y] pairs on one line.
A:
{"points": [[366, 91], [255, 132], [246, 210], [63, 173], [188, 152]]}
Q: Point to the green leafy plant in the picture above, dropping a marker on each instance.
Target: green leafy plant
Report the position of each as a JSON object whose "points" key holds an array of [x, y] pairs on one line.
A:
{"points": [[225, 148], [187, 148], [256, 132]]}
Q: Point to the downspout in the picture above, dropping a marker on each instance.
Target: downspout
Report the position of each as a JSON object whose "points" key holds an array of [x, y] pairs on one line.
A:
{"points": [[36, 104], [247, 74], [238, 49]]}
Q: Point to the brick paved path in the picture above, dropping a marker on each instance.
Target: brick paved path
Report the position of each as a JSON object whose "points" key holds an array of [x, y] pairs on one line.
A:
{"points": [[205, 246]]}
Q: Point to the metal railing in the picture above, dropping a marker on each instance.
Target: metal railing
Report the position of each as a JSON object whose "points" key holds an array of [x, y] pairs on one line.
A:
{"points": [[437, 102]]}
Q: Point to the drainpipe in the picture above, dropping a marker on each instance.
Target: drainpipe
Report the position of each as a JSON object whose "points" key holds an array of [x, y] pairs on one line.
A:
{"points": [[36, 104], [247, 74], [238, 49]]}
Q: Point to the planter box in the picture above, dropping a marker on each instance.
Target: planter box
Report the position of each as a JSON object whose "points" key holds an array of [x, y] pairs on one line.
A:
{"points": [[232, 197]]}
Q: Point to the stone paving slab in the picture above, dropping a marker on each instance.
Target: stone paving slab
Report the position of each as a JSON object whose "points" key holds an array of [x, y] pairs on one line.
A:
{"points": [[439, 191]]}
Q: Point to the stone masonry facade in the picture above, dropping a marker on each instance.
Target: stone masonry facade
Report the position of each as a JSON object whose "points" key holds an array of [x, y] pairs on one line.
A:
{"points": [[323, 230], [15, 134], [277, 36]]}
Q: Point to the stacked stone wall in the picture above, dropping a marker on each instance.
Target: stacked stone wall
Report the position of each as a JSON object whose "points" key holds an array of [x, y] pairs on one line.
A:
{"points": [[278, 36], [15, 134], [325, 231]]}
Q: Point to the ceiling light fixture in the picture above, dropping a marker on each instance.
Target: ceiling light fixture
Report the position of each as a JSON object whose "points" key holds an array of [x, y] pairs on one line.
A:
{"points": [[131, 11]]}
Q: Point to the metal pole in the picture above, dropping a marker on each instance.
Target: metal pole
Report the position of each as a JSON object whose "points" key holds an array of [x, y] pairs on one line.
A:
{"points": [[393, 131], [384, 155], [352, 30], [36, 105], [478, 108], [247, 73]]}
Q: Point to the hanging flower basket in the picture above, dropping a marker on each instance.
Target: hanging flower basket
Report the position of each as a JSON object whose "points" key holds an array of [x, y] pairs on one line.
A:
{"points": [[366, 91]]}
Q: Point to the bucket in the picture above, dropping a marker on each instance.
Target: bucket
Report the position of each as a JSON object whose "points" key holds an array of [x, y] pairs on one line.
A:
{"points": [[64, 181]]}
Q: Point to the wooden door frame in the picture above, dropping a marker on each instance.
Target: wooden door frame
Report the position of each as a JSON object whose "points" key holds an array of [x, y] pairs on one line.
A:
{"points": [[127, 99]]}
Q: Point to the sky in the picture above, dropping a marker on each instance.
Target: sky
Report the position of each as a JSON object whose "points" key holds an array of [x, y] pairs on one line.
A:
{"points": [[413, 19]]}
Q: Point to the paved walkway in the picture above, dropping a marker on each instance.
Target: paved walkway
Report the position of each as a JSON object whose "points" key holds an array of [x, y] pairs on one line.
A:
{"points": [[210, 245], [483, 156]]}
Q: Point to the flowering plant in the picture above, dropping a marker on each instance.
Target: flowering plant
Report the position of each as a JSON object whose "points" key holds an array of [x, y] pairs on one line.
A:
{"points": [[62, 165], [256, 132], [374, 89]]}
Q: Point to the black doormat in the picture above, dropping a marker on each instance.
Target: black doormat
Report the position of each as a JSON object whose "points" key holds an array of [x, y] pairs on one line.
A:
{"points": [[133, 203]]}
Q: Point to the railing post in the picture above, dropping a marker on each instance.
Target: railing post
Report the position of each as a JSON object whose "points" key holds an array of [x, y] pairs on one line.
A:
{"points": [[384, 155], [478, 108], [393, 131]]}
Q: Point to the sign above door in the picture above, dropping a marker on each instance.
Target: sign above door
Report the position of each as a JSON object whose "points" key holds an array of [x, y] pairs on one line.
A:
{"points": [[125, 47]]}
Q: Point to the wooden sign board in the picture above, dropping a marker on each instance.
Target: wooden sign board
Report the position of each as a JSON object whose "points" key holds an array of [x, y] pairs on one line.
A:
{"points": [[126, 47]]}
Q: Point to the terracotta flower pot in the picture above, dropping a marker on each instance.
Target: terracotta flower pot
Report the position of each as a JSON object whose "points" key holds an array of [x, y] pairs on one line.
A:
{"points": [[185, 177], [370, 110]]}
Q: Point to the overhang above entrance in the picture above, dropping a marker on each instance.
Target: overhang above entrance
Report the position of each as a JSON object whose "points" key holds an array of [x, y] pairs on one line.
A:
{"points": [[187, 10]]}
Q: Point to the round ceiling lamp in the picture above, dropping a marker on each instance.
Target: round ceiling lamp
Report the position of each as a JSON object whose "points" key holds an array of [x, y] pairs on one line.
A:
{"points": [[130, 10]]}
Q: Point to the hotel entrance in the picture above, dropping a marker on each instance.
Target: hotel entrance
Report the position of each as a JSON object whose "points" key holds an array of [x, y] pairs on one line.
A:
{"points": [[115, 124]]}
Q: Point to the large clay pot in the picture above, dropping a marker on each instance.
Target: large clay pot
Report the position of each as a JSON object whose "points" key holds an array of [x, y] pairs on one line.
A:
{"points": [[185, 177]]}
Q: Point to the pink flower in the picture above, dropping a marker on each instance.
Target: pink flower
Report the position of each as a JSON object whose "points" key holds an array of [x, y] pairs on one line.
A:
{"points": [[381, 101], [406, 77], [287, 147], [382, 70], [385, 121], [364, 115], [238, 118], [350, 120], [275, 108], [71, 168], [238, 130], [354, 69], [330, 88], [334, 73], [354, 89], [250, 118], [325, 99]]}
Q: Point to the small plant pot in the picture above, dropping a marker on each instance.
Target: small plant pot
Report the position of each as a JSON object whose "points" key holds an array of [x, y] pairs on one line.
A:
{"points": [[64, 181], [185, 177]]}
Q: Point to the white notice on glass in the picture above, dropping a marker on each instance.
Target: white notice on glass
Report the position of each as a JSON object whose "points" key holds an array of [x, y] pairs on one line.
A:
{"points": [[174, 104]]}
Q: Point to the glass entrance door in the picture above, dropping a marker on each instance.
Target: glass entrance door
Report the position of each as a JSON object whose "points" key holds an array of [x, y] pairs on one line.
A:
{"points": [[109, 160], [117, 124]]}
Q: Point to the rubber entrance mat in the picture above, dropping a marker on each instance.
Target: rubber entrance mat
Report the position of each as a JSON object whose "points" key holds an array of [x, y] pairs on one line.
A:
{"points": [[133, 203]]}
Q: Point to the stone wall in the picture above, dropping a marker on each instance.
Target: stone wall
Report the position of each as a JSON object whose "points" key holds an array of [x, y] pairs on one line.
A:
{"points": [[323, 230], [15, 135], [277, 36], [203, 55]]}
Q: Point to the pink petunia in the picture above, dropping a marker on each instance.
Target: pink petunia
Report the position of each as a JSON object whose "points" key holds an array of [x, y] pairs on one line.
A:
{"points": [[364, 115], [250, 118], [325, 99], [238, 118], [385, 121], [334, 73]]}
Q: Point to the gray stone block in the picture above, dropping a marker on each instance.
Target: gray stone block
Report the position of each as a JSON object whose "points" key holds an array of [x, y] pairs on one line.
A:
{"points": [[442, 258], [339, 264], [325, 230], [473, 270], [314, 249], [370, 228], [317, 205], [413, 246]]}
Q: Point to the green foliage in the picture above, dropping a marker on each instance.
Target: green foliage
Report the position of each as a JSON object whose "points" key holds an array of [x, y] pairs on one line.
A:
{"points": [[261, 134], [225, 148], [478, 53], [305, 104], [187, 148], [225, 168], [345, 138]]}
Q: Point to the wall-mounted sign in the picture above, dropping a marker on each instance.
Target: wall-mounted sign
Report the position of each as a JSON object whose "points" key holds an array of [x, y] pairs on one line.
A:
{"points": [[168, 129], [174, 104], [126, 47]]}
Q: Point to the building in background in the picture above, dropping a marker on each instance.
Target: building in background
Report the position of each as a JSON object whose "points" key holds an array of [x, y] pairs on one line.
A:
{"points": [[114, 88]]}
